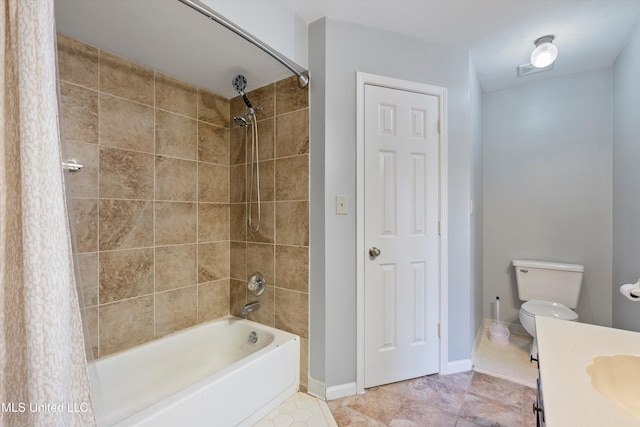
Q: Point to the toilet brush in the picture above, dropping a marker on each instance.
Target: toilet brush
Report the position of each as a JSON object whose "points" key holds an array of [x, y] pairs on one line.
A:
{"points": [[498, 333]]}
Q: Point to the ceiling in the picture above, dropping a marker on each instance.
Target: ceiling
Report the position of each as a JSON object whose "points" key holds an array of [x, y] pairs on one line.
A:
{"points": [[499, 34]]}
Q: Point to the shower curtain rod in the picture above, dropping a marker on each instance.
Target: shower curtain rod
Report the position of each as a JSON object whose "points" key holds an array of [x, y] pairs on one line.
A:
{"points": [[303, 75]]}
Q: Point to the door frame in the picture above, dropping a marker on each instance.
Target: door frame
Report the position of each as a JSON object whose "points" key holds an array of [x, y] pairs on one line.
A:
{"points": [[363, 79]]}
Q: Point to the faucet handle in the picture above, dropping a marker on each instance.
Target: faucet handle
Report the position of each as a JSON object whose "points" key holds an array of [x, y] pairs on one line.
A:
{"points": [[257, 284]]}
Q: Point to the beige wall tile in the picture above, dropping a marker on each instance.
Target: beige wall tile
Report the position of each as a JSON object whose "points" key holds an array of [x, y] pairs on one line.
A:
{"points": [[176, 179], [176, 223], [237, 178], [240, 141], [238, 222], [260, 258], [125, 224], [125, 174], [292, 133], [77, 62], [213, 261], [83, 184], [213, 183], [117, 237], [125, 79], [263, 97], [265, 233], [79, 113], [85, 220], [213, 222], [266, 139], [292, 268], [125, 124], [289, 97], [125, 324], [213, 144], [237, 297], [292, 312], [292, 178], [176, 310], [213, 300], [237, 146], [266, 313], [176, 136], [238, 268], [213, 108], [176, 96], [292, 223], [125, 274], [175, 267], [267, 177], [88, 276]]}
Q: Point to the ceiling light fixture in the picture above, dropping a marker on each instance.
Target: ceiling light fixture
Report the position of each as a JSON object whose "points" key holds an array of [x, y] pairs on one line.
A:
{"points": [[545, 52]]}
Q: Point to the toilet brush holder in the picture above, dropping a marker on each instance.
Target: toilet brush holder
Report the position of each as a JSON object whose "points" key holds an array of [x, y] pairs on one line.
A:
{"points": [[498, 333]]}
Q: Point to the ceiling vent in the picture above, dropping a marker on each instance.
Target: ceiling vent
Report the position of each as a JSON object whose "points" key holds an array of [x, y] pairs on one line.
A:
{"points": [[526, 69]]}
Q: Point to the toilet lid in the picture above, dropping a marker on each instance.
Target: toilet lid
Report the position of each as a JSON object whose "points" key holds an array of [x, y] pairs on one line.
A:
{"points": [[549, 309]]}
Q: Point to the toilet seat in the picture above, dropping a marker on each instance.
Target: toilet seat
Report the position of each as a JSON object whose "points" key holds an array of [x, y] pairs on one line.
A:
{"points": [[548, 309]]}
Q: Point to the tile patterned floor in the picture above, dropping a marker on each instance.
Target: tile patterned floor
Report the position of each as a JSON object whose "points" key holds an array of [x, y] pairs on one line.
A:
{"points": [[468, 399], [300, 410]]}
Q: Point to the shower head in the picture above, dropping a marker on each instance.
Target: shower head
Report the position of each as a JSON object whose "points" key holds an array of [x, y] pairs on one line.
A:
{"points": [[240, 121], [239, 83]]}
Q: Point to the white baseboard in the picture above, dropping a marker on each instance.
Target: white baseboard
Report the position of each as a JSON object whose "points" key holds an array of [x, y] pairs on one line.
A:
{"points": [[457, 366], [342, 390], [316, 388]]}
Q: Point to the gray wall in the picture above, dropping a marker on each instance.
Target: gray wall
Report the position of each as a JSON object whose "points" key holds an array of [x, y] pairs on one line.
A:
{"points": [[317, 306], [477, 202], [337, 51], [547, 186], [626, 181]]}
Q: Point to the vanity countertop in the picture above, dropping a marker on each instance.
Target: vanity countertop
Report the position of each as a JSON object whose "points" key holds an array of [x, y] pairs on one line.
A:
{"points": [[565, 349]]}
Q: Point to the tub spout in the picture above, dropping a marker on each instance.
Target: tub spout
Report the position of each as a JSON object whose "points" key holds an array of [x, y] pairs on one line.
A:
{"points": [[248, 308]]}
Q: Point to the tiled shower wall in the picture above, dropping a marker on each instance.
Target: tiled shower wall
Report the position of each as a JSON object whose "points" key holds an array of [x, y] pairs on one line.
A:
{"points": [[151, 206], [279, 249], [160, 208]]}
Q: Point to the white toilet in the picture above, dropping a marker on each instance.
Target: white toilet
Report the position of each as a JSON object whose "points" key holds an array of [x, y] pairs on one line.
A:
{"points": [[550, 289]]}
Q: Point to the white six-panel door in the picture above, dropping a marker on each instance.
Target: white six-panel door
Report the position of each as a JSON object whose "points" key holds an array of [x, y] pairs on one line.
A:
{"points": [[401, 217]]}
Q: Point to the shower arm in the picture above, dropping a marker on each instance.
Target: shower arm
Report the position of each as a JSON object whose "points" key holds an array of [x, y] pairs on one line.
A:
{"points": [[247, 102], [303, 75]]}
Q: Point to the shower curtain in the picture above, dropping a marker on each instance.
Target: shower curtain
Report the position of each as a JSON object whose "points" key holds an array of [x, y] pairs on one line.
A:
{"points": [[43, 370]]}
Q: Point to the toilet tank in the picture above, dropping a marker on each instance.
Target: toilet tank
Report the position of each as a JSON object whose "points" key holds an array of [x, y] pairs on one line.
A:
{"points": [[548, 281]]}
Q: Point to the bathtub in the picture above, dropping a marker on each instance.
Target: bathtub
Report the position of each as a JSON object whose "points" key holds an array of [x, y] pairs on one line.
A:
{"points": [[207, 375]]}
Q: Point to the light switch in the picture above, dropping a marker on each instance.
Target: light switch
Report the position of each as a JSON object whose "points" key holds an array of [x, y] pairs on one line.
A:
{"points": [[341, 205]]}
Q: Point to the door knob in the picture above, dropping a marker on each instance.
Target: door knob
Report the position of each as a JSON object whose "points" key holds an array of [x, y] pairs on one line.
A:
{"points": [[374, 252]]}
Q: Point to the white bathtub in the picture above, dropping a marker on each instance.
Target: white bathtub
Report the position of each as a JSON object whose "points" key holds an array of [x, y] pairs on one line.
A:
{"points": [[207, 375]]}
